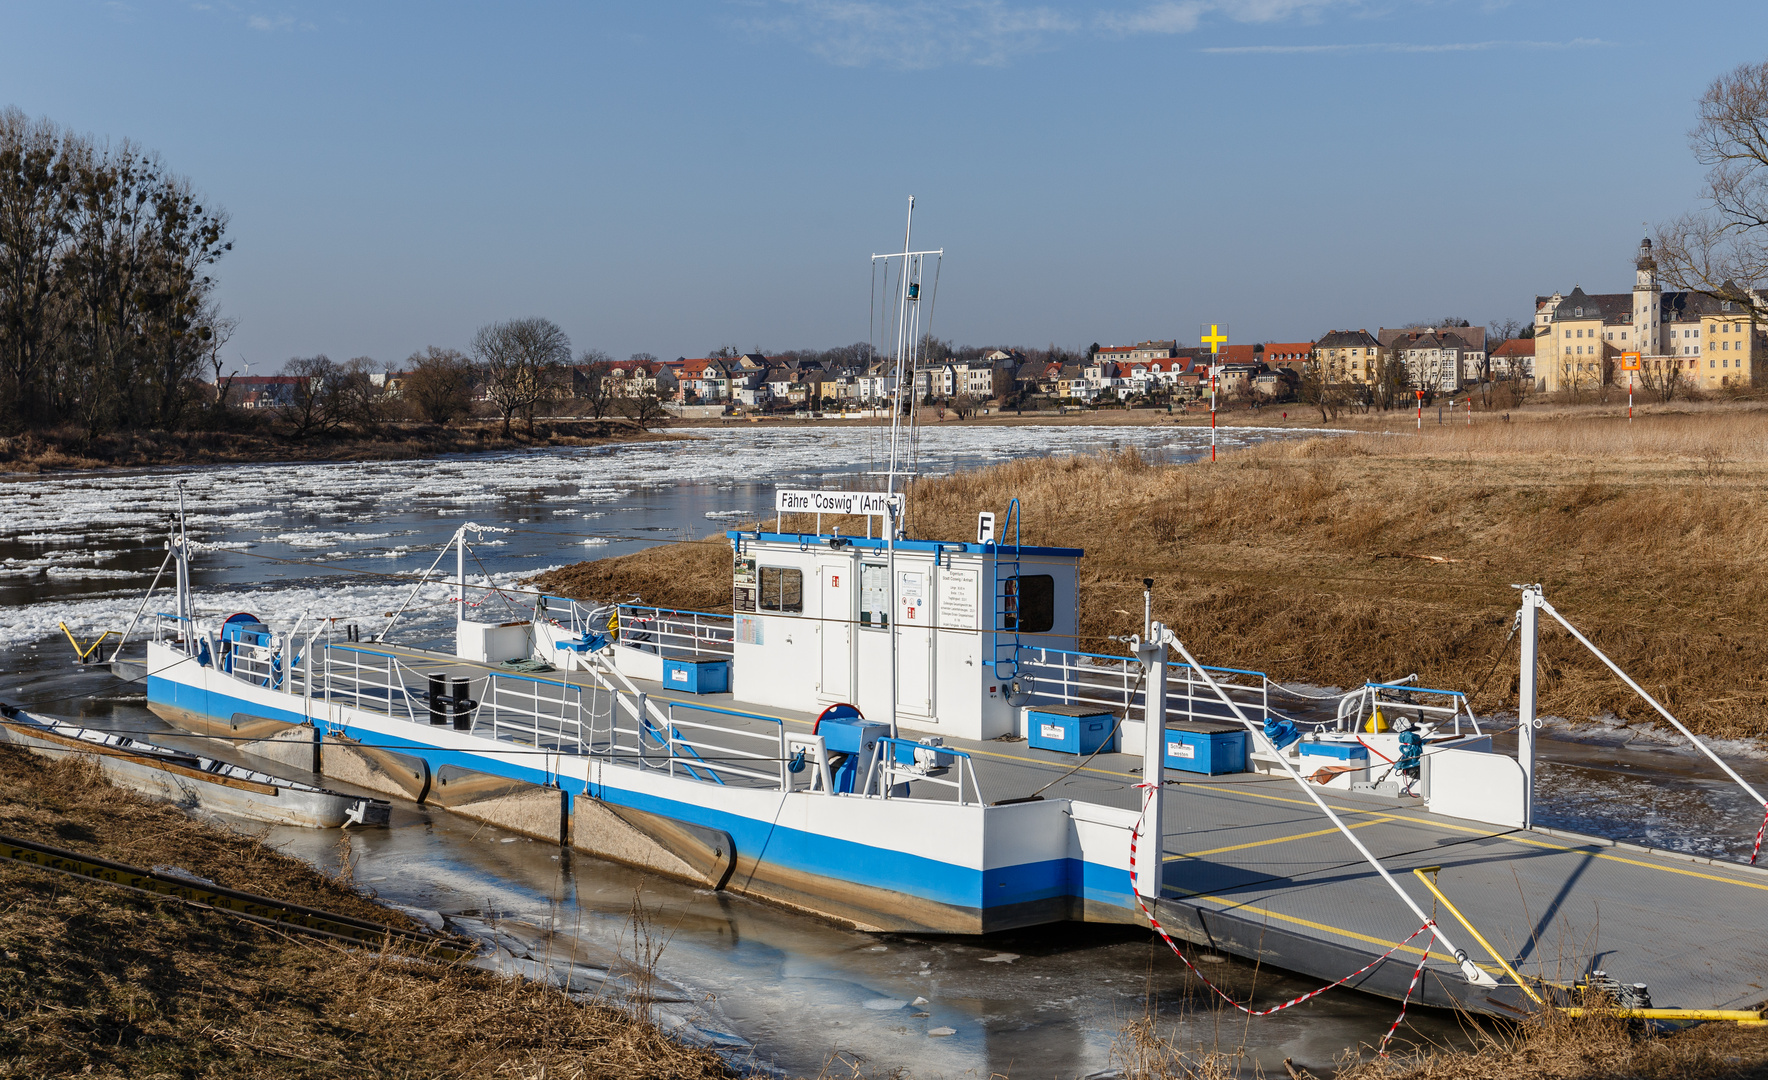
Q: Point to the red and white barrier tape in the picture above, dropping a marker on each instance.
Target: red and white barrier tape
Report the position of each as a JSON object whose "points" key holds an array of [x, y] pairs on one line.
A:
{"points": [[1173, 945], [1407, 1000], [1759, 831]]}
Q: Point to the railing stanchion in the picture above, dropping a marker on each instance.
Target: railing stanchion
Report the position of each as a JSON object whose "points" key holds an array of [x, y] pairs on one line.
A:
{"points": [[785, 774]]}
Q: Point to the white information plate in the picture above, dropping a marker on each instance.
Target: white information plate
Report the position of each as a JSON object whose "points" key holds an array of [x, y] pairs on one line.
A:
{"points": [[957, 600]]}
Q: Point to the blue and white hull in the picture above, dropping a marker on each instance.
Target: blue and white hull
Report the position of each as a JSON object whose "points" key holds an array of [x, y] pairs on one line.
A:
{"points": [[874, 861]]}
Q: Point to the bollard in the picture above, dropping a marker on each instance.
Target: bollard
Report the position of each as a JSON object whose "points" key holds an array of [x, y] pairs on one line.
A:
{"points": [[438, 699], [463, 706]]}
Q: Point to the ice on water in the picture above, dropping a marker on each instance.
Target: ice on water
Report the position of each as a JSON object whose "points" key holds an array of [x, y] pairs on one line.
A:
{"points": [[76, 528]]}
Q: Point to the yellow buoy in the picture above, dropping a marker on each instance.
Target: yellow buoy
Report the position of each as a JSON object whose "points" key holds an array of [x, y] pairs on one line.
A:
{"points": [[1376, 723]]}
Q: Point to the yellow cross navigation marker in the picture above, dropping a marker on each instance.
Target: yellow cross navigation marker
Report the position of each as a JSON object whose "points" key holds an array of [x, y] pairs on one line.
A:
{"points": [[1215, 338]]}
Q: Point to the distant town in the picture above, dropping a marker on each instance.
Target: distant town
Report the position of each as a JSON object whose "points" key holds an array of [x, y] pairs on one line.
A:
{"points": [[1660, 343]]}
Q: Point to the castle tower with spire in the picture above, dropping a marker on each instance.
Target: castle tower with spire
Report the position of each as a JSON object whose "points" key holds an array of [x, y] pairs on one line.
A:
{"points": [[1648, 298]]}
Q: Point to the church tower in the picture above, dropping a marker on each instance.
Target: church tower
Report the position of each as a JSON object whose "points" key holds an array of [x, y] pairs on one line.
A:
{"points": [[1648, 298]]}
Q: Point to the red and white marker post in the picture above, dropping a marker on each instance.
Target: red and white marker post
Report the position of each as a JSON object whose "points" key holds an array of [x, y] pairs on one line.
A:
{"points": [[1215, 339]]}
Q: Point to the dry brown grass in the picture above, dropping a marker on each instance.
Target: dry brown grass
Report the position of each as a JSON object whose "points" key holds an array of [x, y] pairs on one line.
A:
{"points": [[99, 981], [1553, 1046], [1295, 558], [1548, 1046]]}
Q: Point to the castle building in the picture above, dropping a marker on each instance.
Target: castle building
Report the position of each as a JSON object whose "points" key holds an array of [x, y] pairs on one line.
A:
{"points": [[1706, 341]]}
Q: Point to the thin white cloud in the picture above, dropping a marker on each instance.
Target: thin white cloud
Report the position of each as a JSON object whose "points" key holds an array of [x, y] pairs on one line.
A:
{"points": [[252, 14], [918, 34], [914, 33], [1184, 16], [1402, 47]]}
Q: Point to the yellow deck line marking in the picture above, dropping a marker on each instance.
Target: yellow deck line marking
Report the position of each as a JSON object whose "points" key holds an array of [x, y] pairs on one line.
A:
{"points": [[1512, 835], [1636, 862], [1310, 924], [1236, 790], [1273, 840]]}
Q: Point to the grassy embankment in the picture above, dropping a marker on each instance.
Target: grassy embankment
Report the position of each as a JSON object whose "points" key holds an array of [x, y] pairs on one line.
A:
{"points": [[65, 449], [100, 981], [1552, 1046], [1333, 560]]}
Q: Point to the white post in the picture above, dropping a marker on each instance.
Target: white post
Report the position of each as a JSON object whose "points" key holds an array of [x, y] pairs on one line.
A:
{"points": [[460, 577], [1526, 698], [890, 617], [1152, 656], [185, 608], [1257, 735]]}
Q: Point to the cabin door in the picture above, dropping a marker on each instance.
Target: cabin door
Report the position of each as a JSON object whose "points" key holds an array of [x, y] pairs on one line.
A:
{"points": [[839, 592]]}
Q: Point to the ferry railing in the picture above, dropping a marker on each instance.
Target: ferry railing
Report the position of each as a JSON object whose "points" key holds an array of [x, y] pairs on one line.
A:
{"points": [[886, 772], [181, 628], [530, 710], [259, 665], [675, 632], [1391, 699], [701, 754], [369, 681], [508, 707], [578, 619], [1115, 683]]}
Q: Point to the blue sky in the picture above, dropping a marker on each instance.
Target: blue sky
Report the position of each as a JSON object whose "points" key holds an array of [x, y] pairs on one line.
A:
{"points": [[670, 177]]}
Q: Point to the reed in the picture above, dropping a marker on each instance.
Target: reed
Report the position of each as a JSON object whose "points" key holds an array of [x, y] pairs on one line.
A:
{"points": [[103, 982], [1338, 559], [1554, 1046]]}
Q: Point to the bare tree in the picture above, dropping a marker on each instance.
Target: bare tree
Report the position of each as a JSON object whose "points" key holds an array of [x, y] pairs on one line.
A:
{"points": [[645, 409], [220, 332], [358, 399], [1722, 251], [313, 399], [593, 386], [1387, 378], [1315, 390], [515, 356], [1663, 378], [439, 384]]}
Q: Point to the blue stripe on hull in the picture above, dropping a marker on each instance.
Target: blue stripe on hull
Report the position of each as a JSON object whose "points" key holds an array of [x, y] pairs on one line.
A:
{"points": [[792, 849]]}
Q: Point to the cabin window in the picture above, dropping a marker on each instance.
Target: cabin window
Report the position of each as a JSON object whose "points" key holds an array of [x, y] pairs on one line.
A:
{"points": [[1030, 604], [782, 590], [874, 595]]}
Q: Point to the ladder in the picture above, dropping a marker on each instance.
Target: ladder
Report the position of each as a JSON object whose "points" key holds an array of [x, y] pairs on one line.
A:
{"points": [[1006, 597]]}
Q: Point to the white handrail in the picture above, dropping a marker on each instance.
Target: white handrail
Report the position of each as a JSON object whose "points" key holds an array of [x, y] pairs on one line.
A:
{"points": [[1256, 731], [1653, 702]]}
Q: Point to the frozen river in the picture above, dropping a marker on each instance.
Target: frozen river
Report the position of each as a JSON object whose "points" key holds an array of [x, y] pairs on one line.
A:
{"points": [[353, 540]]}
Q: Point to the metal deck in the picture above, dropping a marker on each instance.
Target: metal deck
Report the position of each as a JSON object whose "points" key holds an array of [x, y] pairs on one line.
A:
{"points": [[1252, 869]]}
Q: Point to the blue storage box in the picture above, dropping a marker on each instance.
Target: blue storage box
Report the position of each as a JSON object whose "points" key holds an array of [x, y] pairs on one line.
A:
{"points": [[697, 674], [1210, 749], [1342, 753], [1072, 729]]}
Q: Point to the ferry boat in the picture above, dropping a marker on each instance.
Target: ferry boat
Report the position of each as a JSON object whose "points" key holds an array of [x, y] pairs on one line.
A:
{"points": [[901, 735]]}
